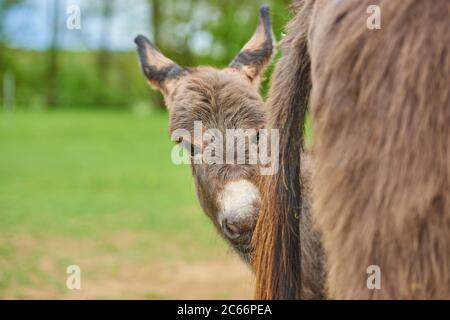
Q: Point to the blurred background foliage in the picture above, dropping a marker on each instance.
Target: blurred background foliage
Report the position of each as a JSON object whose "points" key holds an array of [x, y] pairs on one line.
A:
{"points": [[85, 171], [96, 66]]}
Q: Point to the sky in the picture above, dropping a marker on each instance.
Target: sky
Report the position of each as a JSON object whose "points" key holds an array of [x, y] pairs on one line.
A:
{"points": [[27, 24]]}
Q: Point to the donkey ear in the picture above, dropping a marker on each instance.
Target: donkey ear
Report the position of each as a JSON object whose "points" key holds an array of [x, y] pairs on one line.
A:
{"points": [[159, 70], [256, 53]]}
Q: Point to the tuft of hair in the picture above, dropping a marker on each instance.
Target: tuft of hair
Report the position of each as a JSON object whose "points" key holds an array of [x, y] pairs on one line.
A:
{"points": [[276, 240]]}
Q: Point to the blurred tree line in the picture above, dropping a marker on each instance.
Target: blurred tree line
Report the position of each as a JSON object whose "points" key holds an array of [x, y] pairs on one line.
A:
{"points": [[191, 32]]}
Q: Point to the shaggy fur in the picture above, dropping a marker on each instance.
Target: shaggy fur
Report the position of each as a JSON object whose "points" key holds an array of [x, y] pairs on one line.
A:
{"points": [[380, 103], [283, 261]]}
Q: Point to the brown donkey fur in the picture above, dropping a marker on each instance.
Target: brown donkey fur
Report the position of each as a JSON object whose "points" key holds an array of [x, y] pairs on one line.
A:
{"points": [[380, 102]]}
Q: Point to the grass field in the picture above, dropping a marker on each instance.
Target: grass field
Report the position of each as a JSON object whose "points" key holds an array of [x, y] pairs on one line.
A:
{"points": [[98, 189]]}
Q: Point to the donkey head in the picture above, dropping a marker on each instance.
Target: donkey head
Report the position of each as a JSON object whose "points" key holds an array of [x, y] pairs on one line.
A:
{"points": [[219, 100]]}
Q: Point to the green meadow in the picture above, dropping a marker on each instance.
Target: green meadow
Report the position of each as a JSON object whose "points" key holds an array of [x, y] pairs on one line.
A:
{"points": [[98, 189]]}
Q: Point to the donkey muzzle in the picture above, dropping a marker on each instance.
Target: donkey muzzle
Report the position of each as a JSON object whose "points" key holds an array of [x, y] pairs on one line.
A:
{"points": [[239, 206]]}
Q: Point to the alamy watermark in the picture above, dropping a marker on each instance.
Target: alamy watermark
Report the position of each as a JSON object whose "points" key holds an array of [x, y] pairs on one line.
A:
{"points": [[73, 281], [374, 279], [373, 22], [238, 146], [73, 21]]}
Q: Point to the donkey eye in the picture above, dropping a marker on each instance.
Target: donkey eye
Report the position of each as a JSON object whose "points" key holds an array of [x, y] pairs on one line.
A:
{"points": [[192, 148], [255, 138], [195, 150]]}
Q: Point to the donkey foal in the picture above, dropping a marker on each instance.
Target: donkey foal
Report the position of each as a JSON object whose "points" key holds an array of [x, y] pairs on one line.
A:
{"points": [[219, 99]]}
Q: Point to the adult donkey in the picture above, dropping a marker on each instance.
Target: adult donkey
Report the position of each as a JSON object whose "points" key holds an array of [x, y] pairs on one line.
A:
{"points": [[380, 103], [228, 99]]}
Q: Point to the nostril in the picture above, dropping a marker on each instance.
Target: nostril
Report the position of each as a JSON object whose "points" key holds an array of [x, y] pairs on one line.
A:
{"points": [[230, 228]]}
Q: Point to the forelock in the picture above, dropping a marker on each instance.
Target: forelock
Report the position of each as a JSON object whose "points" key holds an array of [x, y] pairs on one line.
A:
{"points": [[217, 99]]}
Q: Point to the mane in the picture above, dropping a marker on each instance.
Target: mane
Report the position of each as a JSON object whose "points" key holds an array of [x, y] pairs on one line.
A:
{"points": [[276, 241]]}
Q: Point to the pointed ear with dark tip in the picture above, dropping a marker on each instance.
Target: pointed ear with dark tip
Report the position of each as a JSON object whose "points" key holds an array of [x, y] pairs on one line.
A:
{"points": [[256, 53], [160, 71]]}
